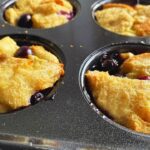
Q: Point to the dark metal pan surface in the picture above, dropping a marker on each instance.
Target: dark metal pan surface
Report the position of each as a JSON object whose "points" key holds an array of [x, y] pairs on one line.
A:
{"points": [[68, 122]]}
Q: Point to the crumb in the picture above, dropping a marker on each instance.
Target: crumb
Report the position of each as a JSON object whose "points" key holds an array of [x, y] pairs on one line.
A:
{"points": [[71, 46], [62, 82], [26, 31], [3, 25], [81, 45]]}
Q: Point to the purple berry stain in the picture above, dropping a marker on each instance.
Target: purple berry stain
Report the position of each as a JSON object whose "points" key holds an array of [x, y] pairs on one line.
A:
{"points": [[144, 78], [69, 15]]}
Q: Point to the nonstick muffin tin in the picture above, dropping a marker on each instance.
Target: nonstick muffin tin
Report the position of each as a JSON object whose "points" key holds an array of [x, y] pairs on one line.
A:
{"points": [[68, 122]]}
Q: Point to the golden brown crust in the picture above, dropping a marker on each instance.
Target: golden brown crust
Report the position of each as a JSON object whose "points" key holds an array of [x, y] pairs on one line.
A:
{"points": [[119, 5], [125, 56], [8, 46], [143, 10], [52, 20], [121, 22], [40, 52], [137, 66], [125, 100], [128, 20], [143, 28], [45, 13], [21, 78]]}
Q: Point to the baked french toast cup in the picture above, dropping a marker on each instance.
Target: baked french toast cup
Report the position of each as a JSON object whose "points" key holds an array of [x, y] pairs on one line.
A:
{"points": [[111, 92], [131, 19], [39, 14], [29, 71]]}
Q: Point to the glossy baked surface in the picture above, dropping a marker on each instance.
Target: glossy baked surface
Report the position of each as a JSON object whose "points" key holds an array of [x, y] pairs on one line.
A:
{"points": [[128, 20], [39, 13], [125, 98], [23, 73]]}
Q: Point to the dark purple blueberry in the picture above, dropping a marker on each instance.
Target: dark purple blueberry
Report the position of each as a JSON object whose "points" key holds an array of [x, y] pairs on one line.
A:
{"points": [[104, 57], [117, 57], [25, 21], [144, 78], [109, 65], [97, 65], [36, 98], [108, 62], [46, 91], [23, 52]]}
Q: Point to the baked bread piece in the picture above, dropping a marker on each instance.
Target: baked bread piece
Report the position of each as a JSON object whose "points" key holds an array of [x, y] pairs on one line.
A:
{"points": [[143, 10], [45, 13], [126, 100], [142, 28], [48, 21], [20, 78], [137, 66], [8, 46], [40, 52], [121, 22], [142, 20]]}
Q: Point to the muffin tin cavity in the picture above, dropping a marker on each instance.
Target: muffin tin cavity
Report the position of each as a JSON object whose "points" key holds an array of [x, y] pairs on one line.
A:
{"points": [[27, 53], [131, 19], [38, 16], [92, 63]]}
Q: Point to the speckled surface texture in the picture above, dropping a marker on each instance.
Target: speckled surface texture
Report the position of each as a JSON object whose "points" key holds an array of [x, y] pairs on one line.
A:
{"points": [[68, 117]]}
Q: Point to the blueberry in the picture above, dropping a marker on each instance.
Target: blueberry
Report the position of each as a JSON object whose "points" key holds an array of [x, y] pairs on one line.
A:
{"points": [[23, 52], [109, 65], [36, 98], [104, 57], [108, 62], [25, 21], [144, 78], [117, 57]]}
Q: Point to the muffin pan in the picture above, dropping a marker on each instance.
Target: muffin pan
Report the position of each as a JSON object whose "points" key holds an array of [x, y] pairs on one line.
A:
{"points": [[68, 122]]}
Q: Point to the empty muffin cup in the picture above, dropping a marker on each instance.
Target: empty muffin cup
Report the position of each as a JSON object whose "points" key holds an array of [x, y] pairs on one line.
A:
{"points": [[115, 81]]}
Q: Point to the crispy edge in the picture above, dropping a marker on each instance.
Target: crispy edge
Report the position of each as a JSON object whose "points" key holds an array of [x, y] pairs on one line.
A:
{"points": [[119, 5]]}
